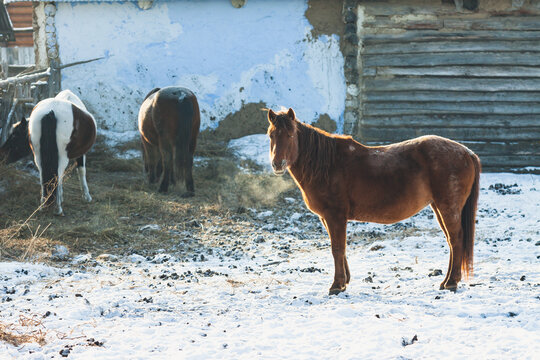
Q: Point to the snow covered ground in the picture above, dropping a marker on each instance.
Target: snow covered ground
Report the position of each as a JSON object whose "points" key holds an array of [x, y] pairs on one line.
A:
{"points": [[272, 302]]}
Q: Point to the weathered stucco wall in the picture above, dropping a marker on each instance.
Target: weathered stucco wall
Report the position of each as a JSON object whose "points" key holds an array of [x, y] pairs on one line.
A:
{"points": [[263, 53]]}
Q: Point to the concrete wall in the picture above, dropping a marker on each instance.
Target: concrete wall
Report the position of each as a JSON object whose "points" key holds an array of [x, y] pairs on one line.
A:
{"points": [[262, 54]]}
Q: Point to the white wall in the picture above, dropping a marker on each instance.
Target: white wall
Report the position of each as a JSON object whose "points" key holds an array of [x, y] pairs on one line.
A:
{"points": [[227, 56]]}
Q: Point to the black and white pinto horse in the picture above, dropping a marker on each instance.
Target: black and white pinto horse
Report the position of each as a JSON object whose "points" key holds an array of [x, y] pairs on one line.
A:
{"points": [[60, 129]]}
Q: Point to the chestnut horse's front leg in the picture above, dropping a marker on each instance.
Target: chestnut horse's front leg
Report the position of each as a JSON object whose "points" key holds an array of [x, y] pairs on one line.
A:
{"points": [[337, 230]]}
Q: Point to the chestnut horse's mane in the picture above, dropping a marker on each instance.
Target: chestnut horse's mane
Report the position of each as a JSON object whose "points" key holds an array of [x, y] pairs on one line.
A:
{"points": [[316, 153]]}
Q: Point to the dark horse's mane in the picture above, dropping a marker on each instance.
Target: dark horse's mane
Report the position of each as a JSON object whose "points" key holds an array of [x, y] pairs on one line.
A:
{"points": [[316, 152]]}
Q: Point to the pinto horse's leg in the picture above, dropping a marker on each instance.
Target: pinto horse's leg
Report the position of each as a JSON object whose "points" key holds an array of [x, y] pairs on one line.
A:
{"points": [[81, 172], [451, 218], [337, 230], [63, 162]]}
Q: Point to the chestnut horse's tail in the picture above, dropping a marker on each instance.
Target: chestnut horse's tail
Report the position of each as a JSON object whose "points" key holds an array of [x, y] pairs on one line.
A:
{"points": [[468, 220]]}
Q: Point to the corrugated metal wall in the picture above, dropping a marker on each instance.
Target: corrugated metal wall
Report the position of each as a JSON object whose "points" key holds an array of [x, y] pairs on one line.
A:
{"points": [[21, 18], [475, 79]]}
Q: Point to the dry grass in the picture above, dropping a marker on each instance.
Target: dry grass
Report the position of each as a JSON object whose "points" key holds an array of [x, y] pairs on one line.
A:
{"points": [[26, 331], [123, 203]]}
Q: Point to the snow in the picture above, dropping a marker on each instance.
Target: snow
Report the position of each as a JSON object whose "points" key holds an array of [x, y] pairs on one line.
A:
{"points": [[254, 147], [275, 305]]}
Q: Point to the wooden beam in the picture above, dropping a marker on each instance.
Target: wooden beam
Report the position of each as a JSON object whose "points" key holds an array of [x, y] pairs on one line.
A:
{"points": [[456, 71], [452, 120], [430, 36], [445, 46], [458, 134], [397, 108], [25, 78], [451, 96], [438, 59], [454, 84]]}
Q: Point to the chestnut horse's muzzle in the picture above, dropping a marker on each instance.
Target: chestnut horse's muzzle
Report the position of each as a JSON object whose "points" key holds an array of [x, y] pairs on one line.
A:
{"points": [[279, 169]]}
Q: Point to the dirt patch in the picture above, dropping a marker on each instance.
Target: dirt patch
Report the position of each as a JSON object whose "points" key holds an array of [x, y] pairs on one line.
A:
{"points": [[325, 17], [249, 120], [326, 123]]}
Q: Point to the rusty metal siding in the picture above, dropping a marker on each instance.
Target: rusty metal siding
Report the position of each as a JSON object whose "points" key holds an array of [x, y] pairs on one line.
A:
{"points": [[21, 18]]}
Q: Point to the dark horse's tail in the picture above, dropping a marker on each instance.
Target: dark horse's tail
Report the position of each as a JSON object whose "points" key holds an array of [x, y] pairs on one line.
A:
{"points": [[48, 150], [182, 154], [468, 220]]}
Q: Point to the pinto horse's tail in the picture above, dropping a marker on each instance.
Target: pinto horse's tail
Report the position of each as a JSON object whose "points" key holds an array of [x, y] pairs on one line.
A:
{"points": [[48, 150], [468, 220], [183, 136]]}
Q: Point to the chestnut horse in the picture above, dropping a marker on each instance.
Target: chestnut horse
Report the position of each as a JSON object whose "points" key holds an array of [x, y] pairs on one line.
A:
{"points": [[169, 122], [343, 180]]}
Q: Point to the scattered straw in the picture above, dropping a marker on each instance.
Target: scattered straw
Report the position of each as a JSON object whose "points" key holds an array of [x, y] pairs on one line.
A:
{"points": [[29, 329]]}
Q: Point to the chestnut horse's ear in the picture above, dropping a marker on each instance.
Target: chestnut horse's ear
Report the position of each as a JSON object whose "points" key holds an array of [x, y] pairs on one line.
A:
{"points": [[291, 114], [272, 116]]}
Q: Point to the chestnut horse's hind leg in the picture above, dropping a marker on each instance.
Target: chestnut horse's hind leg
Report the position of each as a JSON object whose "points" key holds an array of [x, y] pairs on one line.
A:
{"points": [[443, 227], [450, 220], [337, 230]]}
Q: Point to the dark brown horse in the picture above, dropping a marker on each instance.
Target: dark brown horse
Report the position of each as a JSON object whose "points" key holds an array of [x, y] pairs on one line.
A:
{"points": [[169, 122], [17, 144], [343, 180]]}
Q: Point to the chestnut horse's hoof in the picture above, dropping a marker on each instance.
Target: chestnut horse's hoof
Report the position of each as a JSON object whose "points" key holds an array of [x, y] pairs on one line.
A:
{"points": [[336, 290], [449, 287]]}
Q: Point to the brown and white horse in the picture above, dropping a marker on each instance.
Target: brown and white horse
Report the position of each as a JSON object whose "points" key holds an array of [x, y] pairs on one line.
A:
{"points": [[343, 180], [169, 122], [60, 129]]}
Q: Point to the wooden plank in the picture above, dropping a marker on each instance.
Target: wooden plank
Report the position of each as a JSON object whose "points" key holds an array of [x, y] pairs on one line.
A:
{"points": [[454, 84], [509, 23], [429, 36], [469, 71], [437, 59], [446, 46], [445, 96], [520, 23], [517, 148], [457, 107], [509, 161], [383, 9], [385, 23], [504, 148], [447, 120], [483, 134]]}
